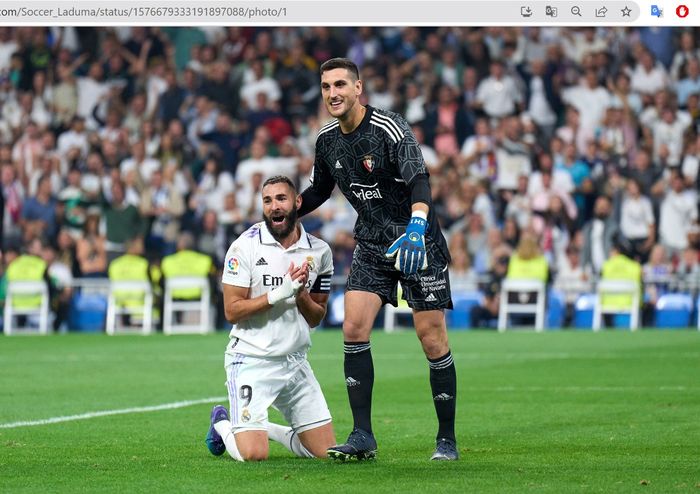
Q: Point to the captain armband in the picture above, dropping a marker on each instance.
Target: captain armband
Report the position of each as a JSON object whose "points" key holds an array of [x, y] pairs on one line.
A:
{"points": [[322, 284]]}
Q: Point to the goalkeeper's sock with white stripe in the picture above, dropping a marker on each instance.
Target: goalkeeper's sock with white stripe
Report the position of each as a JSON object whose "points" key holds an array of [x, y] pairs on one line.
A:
{"points": [[359, 379], [223, 427], [443, 382], [288, 438]]}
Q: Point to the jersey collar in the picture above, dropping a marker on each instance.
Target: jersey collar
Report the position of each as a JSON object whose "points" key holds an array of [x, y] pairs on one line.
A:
{"points": [[266, 238]]}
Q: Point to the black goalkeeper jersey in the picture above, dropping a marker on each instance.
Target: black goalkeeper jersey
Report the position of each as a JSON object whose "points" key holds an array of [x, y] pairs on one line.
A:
{"points": [[373, 166]]}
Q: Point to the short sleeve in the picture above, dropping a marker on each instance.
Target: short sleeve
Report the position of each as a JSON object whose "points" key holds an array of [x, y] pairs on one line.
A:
{"points": [[325, 273], [237, 267]]}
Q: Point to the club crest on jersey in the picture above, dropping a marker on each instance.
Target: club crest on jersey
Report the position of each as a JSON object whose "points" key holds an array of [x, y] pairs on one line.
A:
{"points": [[311, 263], [368, 163]]}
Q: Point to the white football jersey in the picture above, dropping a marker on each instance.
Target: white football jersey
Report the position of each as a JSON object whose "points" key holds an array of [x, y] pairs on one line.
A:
{"points": [[257, 261]]}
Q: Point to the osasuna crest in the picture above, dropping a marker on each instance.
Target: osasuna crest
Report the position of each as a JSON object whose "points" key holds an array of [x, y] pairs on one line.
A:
{"points": [[368, 163]]}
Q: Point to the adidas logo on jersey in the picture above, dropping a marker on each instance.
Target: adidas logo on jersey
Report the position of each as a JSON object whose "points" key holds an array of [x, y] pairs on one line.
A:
{"points": [[350, 382], [337, 164], [443, 397], [261, 262], [431, 298]]}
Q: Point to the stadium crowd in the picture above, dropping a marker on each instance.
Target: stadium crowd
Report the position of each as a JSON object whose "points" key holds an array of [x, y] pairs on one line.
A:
{"points": [[579, 135]]}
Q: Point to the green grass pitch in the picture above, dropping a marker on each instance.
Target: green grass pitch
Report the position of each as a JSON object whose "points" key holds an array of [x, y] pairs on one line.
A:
{"points": [[554, 412]]}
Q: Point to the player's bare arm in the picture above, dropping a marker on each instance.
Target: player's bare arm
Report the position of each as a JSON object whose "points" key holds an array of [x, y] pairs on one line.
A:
{"points": [[239, 307], [312, 306]]}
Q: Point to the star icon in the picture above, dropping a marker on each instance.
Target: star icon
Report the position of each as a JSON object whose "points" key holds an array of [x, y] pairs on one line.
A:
{"points": [[626, 11]]}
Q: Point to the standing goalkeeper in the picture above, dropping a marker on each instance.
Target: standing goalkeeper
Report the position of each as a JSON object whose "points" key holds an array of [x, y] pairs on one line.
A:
{"points": [[375, 160]]}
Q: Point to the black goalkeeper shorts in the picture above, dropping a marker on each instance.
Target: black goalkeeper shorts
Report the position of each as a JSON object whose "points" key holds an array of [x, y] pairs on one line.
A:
{"points": [[372, 272]]}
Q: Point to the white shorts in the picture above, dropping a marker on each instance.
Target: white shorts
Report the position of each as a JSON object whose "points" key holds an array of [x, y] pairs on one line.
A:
{"points": [[288, 384]]}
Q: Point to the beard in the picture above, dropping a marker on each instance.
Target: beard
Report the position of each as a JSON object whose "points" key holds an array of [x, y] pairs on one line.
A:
{"points": [[279, 233]]}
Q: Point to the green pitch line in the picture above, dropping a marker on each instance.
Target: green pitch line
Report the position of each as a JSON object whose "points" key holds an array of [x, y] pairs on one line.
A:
{"points": [[552, 412]]}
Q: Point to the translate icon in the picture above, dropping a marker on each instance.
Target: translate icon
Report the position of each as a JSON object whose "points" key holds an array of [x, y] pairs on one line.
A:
{"points": [[550, 11], [656, 11]]}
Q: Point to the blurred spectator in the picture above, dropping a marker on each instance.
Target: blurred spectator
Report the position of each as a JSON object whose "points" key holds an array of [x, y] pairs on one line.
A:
{"points": [[679, 212], [512, 161], [656, 276], [478, 152], [259, 83], [637, 223], [571, 279], [591, 100], [13, 198], [123, 222], [90, 89], [40, 213], [138, 161], [91, 253], [485, 315], [686, 51], [61, 291], [211, 238], [462, 275], [598, 236], [214, 184], [73, 144], [227, 142], [648, 76], [690, 82], [161, 206], [498, 95], [519, 206], [688, 271]]}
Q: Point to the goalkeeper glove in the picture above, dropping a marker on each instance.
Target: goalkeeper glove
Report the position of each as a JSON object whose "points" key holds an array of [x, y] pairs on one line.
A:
{"points": [[288, 288], [409, 248]]}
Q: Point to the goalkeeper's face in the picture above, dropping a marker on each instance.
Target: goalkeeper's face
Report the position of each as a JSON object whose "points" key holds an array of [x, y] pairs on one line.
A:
{"points": [[280, 204], [340, 92]]}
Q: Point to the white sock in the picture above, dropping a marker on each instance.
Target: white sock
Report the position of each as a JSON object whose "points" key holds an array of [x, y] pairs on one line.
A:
{"points": [[288, 438], [223, 427]]}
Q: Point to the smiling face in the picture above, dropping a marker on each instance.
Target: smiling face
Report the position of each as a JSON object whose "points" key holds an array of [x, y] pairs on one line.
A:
{"points": [[340, 92], [280, 204]]}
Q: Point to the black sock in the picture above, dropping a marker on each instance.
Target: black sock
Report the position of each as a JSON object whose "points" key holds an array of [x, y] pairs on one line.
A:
{"points": [[359, 378], [443, 382]]}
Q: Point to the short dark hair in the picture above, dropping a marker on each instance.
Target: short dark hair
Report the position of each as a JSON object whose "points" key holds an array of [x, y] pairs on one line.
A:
{"points": [[340, 63], [280, 179]]}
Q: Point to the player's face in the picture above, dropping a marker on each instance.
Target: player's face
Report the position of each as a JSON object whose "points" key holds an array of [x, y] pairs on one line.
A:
{"points": [[280, 205], [340, 92]]}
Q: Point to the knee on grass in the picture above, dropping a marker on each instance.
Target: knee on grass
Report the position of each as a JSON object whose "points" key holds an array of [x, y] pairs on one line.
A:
{"points": [[253, 452]]}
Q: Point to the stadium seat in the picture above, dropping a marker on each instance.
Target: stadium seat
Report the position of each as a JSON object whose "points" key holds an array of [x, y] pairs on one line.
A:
{"points": [[199, 306], [460, 317], [508, 308], [617, 288], [87, 312], [673, 310], [583, 311], [139, 292], [556, 309], [26, 298]]}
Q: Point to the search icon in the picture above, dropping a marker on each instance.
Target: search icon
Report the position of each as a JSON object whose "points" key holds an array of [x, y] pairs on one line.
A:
{"points": [[576, 10]]}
